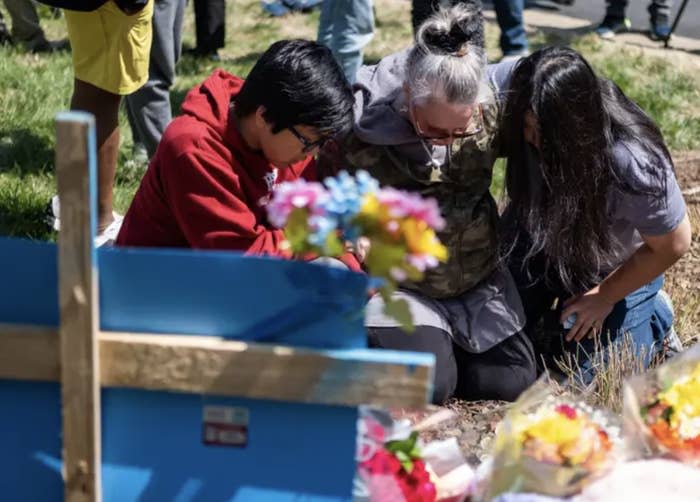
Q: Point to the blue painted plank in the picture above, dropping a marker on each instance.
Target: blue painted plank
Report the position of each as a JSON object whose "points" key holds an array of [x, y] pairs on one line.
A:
{"points": [[153, 451], [227, 294], [30, 441], [29, 292]]}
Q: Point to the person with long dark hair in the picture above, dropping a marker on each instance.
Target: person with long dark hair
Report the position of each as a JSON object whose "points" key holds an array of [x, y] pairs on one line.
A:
{"points": [[595, 214]]}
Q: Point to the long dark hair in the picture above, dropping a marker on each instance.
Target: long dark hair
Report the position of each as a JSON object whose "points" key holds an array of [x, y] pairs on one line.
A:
{"points": [[560, 211]]}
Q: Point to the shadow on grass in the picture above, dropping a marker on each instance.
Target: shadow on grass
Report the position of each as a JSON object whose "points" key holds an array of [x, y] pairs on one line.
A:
{"points": [[25, 150]]}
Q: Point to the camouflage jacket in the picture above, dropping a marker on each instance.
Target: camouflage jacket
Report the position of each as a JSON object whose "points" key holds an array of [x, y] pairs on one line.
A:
{"points": [[470, 211]]}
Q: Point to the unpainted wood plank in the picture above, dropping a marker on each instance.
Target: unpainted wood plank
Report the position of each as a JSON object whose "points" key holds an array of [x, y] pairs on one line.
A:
{"points": [[210, 365], [78, 304]]}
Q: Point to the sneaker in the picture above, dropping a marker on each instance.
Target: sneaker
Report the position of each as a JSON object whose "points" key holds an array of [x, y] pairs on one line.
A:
{"points": [[50, 46], [610, 27], [104, 238], [109, 235], [672, 342], [660, 31], [139, 154]]}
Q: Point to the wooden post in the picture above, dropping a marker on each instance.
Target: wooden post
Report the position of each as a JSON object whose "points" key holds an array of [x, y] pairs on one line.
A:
{"points": [[80, 386]]}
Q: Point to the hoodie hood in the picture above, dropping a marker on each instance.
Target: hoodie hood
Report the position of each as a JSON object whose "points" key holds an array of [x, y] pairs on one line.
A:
{"points": [[381, 110], [210, 101]]}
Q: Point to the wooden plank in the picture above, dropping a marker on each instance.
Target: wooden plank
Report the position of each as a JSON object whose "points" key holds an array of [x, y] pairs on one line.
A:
{"points": [[78, 306], [209, 365], [29, 353]]}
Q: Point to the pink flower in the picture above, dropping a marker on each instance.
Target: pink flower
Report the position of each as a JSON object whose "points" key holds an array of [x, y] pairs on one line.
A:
{"points": [[422, 262], [410, 205], [566, 410], [291, 195]]}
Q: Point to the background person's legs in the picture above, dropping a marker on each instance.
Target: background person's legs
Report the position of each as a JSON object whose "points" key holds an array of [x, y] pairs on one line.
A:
{"points": [[659, 18], [148, 109], [210, 19], [346, 27], [26, 29], [509, 14], [105, 107]]}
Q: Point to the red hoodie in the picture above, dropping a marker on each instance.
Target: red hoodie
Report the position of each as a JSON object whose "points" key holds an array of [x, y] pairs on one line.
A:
{"points": [[205, 188]]}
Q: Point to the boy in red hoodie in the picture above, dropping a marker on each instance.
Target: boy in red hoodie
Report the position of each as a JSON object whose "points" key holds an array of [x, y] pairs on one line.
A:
{"points": [[218, 163]]}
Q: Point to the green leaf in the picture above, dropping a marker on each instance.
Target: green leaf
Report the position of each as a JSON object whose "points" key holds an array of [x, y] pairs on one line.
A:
{"points": [[297, 230], [398, 309], [333, 246]]}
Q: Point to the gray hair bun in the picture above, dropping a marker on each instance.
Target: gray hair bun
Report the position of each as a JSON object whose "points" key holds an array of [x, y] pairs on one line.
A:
{"points": [[448, 58], [454, 30]]}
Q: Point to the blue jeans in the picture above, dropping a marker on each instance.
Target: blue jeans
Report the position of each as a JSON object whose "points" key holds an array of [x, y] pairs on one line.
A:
{"points": [[659, 10], [509, 14], [346, 27], [643, 314]]}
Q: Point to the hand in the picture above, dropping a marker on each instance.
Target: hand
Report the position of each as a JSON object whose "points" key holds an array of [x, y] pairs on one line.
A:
{"points": [[360, 249], [591, 309]]}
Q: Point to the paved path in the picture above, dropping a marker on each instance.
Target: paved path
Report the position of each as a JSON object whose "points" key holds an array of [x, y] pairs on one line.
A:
{"points": [[594, 10], [685, 50]]}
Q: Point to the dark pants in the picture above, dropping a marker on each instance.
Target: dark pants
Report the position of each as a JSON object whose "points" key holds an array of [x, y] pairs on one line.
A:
{"points": [[659, 10], [509, 14], [502, 372], [210, 18]]}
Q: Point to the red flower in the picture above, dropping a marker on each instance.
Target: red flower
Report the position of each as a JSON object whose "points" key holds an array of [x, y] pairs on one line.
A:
{"points": [[566, 410], [415, 486]]}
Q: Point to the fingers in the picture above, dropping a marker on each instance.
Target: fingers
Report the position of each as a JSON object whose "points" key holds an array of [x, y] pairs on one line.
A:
{"points": [[582, 329]]}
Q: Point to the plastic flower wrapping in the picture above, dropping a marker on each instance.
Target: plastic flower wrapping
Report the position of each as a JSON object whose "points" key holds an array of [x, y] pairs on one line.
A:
{"points": [[551, 446], [393, 465], [662, 410], [322, 218]]}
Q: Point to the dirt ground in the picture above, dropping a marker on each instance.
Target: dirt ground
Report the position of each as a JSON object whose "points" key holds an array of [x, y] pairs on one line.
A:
{"points": [[474, 424]]}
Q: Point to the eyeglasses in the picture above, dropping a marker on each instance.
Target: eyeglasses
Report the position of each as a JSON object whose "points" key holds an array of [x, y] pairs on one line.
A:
{"points": [[308, 146], [474, 127]]}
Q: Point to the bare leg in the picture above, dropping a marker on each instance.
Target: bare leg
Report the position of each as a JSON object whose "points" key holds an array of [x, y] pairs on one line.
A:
{"points": [[105, 107]]}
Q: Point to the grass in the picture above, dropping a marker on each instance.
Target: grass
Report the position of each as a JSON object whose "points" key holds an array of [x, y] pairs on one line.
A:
{"points": [[34, 88]]}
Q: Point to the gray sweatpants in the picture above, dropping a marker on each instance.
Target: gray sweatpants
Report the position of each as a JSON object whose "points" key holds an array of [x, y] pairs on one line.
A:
{"points": [[148, 109]]}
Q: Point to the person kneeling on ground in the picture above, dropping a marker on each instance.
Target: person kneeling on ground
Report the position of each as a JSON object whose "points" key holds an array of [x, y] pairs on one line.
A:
{"points": [[218, 163], [595, 215], [427, 121]]}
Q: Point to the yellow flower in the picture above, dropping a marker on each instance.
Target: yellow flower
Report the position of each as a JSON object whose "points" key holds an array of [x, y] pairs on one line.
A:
{"points": [[421, 239], [684, 397], [555, 428]]}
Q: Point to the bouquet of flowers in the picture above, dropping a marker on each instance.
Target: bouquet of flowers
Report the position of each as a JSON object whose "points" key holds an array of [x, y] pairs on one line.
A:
{"points": [[550, 446], [343, 212], [662, 410], [393, 465]]}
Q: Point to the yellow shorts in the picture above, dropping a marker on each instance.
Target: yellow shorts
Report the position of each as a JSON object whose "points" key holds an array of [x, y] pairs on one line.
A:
{"points": [[110, 48]]}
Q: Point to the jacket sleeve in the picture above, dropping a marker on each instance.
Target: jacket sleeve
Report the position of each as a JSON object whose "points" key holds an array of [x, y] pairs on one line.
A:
{"points": [[211, 210]]}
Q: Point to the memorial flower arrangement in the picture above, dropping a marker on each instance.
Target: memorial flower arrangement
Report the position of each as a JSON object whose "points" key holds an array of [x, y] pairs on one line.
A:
{"points": [[663, 410], [346, 212], [551, 446]]}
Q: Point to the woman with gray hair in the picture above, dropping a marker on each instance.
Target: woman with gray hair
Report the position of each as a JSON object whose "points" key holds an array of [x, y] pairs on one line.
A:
{"points": [[426, 120]]}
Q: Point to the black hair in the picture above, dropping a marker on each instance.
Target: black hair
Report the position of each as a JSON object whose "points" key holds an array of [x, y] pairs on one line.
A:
{"points": [[298, 82], [562, 207]]}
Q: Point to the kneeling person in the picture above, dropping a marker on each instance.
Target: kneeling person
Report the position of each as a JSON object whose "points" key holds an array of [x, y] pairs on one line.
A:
{"points": [[218, 163]]}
